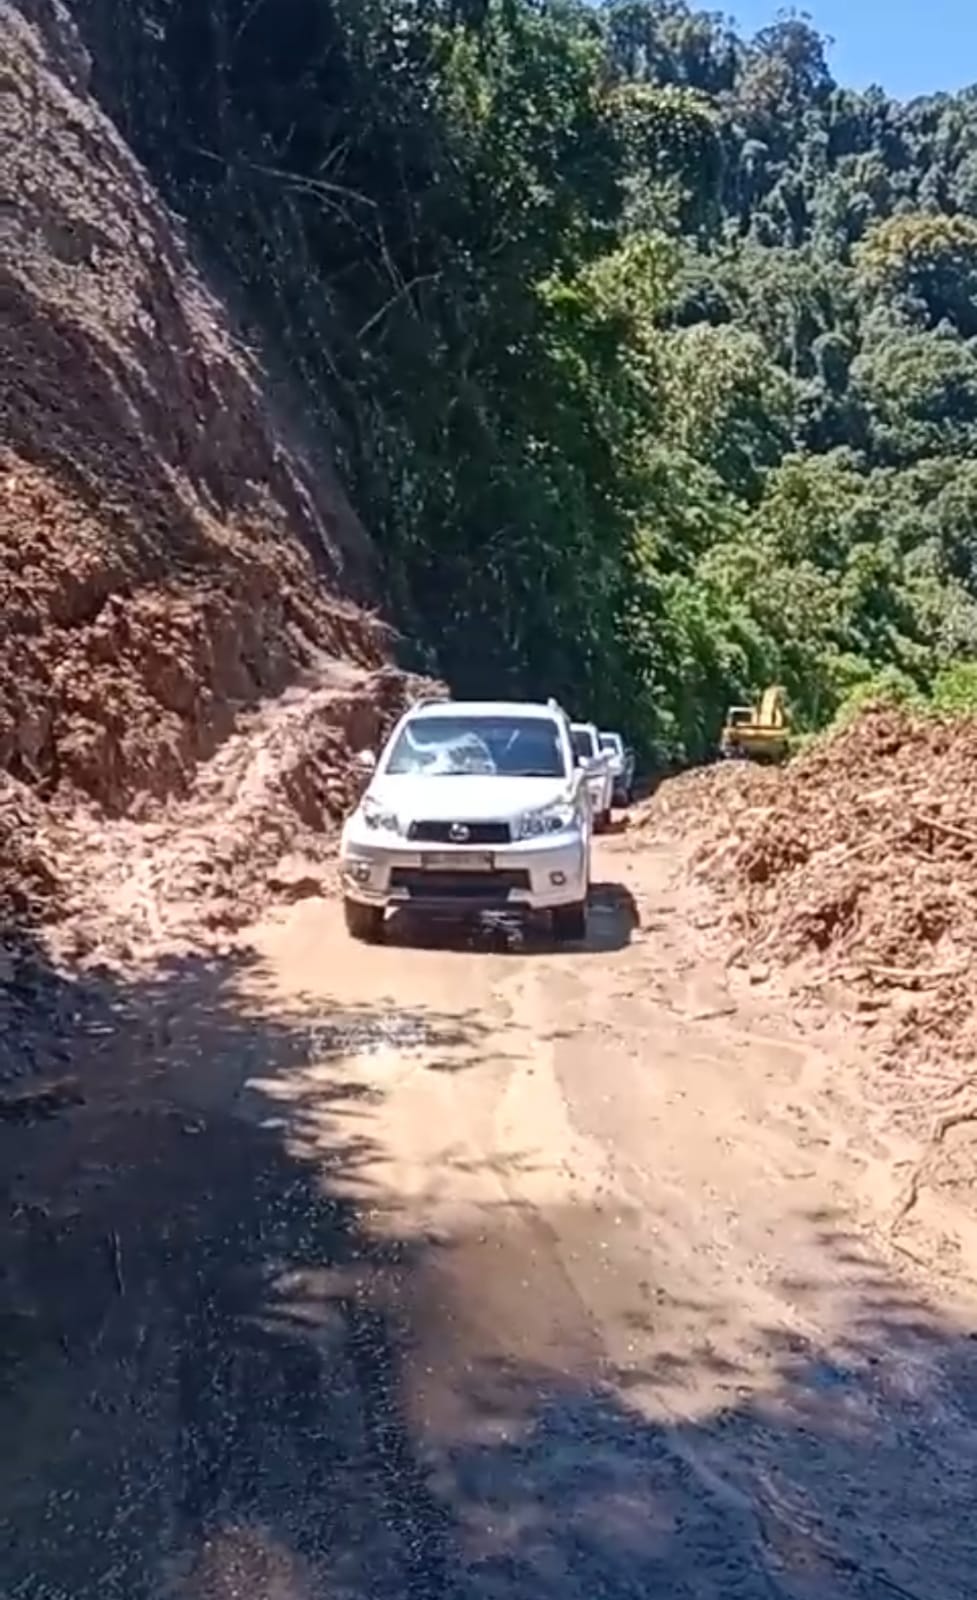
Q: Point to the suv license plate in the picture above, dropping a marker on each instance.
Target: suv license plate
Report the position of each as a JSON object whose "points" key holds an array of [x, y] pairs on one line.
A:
{"points": [[459, 860]]}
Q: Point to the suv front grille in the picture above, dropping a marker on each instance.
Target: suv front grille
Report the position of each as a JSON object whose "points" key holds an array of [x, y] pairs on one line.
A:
{"points": [[445, 885], [477, 833]]}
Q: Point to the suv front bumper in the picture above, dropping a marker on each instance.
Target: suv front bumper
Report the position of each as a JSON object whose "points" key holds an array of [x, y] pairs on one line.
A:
{"points": [[533, 875]]}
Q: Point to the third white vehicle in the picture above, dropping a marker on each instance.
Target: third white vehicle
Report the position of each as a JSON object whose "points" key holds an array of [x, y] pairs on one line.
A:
{"points": [[473, 806], [621, 758]]}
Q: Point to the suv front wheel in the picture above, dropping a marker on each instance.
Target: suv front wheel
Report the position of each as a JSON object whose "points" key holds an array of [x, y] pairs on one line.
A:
{"points": [[363, 922], [570, 922]]}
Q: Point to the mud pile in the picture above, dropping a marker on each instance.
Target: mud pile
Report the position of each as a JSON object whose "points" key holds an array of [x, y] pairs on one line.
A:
{"points": [[170, 551], [859, 862], [257, 827], [692, 800], [190, 648]]}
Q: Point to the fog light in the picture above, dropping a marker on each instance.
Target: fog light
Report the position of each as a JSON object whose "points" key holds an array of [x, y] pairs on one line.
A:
{"points": [[558, 879]]}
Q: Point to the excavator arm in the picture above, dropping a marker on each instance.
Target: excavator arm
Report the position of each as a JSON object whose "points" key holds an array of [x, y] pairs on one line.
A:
{"points": [[773, 708]]}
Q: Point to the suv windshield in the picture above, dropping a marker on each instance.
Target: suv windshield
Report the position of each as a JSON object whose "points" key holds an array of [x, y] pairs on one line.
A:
{"points": [[611, 741], [509, 747], [583, 743]]}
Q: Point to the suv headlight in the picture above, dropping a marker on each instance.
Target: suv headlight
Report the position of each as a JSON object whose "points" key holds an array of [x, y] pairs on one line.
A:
{"points": [[549, 819], [377, 817]]}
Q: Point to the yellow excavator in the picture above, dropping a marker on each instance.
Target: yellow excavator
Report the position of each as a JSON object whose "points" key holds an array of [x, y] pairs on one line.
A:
{"points": [[758, 733]]}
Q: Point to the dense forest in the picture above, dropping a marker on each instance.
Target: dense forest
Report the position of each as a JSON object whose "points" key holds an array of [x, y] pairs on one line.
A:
{"points": [[649, 352]]}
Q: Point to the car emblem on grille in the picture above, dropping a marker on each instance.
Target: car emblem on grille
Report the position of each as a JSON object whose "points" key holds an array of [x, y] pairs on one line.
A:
{"points": [[458, 833]]}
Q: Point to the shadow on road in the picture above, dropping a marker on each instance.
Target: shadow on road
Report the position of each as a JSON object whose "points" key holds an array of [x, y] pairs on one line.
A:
{"points": [[612, 917], [203, 1348], [851, 1478]]}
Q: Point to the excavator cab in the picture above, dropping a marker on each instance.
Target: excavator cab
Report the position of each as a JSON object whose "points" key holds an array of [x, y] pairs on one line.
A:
{"points": [[758, 733]]}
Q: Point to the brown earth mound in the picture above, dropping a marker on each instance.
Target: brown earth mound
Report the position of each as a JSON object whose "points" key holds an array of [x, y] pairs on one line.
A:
{"points": [[258, 826], [858, 861], [190, 650], [84, 898], [169, 552]]}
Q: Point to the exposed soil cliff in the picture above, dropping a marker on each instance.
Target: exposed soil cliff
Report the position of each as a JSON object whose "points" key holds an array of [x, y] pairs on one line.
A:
{"points": [[169, 551], [191, 641]]}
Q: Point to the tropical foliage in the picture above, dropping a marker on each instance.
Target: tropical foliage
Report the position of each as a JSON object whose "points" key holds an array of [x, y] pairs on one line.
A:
{"points": [[650, 353]]}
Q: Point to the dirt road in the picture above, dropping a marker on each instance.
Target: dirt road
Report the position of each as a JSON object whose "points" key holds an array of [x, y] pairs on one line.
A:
{"points": [[479, 1271]]}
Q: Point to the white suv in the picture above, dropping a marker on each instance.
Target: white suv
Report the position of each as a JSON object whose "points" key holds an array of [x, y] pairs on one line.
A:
{"points": [[473, 806]]}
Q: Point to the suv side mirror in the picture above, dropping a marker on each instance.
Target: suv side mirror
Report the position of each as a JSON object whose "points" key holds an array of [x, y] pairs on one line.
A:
{"points": [[365, 762]]}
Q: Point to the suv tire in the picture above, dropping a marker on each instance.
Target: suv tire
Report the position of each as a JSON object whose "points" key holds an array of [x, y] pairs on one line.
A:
{"points": [[364, 923], [570, 922]]}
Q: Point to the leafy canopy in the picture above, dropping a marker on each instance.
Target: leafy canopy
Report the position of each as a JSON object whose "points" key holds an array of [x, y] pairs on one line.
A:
{"points": [[649, 352]]}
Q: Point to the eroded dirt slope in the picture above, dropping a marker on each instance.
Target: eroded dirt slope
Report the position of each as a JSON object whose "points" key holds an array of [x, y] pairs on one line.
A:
{"points": [[169, 553], [190, 647], [847, 881], [856, 863]]}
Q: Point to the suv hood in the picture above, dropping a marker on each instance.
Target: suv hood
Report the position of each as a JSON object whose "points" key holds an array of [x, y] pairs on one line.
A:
{"points": [[465, 799]]}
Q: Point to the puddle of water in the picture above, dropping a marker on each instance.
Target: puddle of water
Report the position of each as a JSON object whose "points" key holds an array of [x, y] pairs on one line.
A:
{"points": [[394, 1030]]}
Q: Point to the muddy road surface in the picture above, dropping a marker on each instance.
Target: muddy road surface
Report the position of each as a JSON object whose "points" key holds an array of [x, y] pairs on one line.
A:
{"points": [[473, 1268]]}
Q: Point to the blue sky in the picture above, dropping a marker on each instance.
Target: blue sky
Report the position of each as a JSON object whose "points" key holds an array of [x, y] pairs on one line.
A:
{"points": [[910, 47]]}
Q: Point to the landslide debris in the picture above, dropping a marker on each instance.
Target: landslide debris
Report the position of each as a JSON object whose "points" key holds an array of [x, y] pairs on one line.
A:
{"points": [[191, 649], [170, 551], [190, 646], [857, 865], [258, 826], [88, 901]]}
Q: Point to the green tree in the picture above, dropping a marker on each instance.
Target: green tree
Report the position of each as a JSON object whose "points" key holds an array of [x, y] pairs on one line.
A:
{"points": [[926, 264], [647, 352]]}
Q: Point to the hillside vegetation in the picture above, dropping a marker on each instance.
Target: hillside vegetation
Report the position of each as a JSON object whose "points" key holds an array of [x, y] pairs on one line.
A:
{"points": [[650, 352]]}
